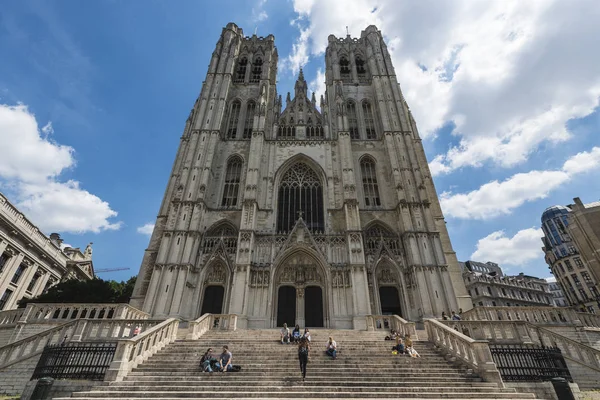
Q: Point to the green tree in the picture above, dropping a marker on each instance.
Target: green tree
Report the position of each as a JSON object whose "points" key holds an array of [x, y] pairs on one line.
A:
{"points": [[93, 291]]}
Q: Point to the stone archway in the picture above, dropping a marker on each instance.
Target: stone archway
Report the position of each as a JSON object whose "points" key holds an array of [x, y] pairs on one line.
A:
{"points": [[389, 291], [305, 274]]}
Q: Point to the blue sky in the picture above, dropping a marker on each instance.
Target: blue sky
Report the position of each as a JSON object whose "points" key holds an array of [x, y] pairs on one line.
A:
{"points": [[94, 97]]}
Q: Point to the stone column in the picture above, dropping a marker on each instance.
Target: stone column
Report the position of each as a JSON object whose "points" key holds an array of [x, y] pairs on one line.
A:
{"points": [[423, 293], [300, 317], [3, 245], [238, 292], [181, 277]]}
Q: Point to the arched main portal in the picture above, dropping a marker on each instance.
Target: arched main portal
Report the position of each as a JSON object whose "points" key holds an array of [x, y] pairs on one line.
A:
{"points": [[389, 290], [300, 284], [213, 300]]}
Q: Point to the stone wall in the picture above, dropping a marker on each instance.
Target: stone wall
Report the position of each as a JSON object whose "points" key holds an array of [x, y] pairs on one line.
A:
{"points": [[60, 388], [14, 377]]}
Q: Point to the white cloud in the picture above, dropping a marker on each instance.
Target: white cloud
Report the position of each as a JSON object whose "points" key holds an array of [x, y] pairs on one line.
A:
{"points": [[299, 56], [258, 12], [30, 164], [551, 279], [317, 85], [518, 250], [146, 229], [497, 198], [508, 73]]}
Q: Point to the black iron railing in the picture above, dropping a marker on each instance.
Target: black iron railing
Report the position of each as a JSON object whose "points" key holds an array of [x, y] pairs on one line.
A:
{"points": [[87, 361], [529, 363]]}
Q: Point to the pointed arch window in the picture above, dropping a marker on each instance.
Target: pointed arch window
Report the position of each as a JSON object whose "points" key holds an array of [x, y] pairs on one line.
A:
{"points": [[250, 109], [286, 130], [370, 131], [222, 231], [232, 182], [314, 130], [240, 72], [369, 178], [377, 233], [256, 70], [352, 120], [361, 71], [344, 68], [300, 194], [234, 117]]}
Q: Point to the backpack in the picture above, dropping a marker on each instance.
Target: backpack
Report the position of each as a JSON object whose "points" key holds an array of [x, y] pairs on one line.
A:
{"points": [[303, 351]]}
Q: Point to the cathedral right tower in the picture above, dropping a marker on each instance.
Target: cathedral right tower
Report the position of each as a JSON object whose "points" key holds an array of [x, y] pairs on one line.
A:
{"points": [[298, 212]]}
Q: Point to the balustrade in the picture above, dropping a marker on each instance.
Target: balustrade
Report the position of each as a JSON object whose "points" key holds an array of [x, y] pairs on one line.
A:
{"points": [[388, 322], [52, 312], [10, 317], [132, 352], [537, 315], [208, 322], [475, 353], [79, 330]]}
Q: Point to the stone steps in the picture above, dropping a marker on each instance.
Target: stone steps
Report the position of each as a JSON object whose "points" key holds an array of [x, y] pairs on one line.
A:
{"points": [[364, 369]]}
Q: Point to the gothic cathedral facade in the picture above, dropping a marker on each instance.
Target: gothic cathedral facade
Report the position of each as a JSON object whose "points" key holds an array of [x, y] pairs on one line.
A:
{"points": [[297, 211]]}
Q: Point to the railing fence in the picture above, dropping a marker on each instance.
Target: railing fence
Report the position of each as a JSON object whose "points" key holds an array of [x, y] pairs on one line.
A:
{"points": [[88, 361], [529, 363]]}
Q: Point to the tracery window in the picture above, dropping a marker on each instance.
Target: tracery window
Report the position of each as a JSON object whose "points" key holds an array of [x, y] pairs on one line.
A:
{"points": [[286, 130], [300, 194], [250, 109], [256, 70], [232, 182], [360, 67], [371, 133], [370, 187], [375, 234], [234, 117], [240, 73], [223, 231], [352, 120], [312, 130], [344, 68]]}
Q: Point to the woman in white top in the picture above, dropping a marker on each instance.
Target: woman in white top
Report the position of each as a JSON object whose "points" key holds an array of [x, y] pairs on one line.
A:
{"points": [[306, 334], [331, 348]]}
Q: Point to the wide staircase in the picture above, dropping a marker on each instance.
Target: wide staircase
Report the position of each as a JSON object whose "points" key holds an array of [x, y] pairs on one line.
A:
{"points": [[365, 368]]}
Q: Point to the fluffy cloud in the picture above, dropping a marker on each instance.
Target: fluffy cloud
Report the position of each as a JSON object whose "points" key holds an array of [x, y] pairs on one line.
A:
{"points": [[498, 198], [518, 250], [146, 229], [30, 163], [258, 12], [508, 73]]}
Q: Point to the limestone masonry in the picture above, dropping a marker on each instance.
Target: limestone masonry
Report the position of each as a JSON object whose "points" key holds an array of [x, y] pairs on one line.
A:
{"points": [[282, 211]]}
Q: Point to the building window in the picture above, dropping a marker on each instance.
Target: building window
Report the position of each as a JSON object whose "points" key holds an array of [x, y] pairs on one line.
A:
{"points": [[476, 292], [494, 303], [361, 71], [232, 182], [578, 262], [344, 68], [481, 303], [352, 120], [34, 280], [5, 297], [569, 265], [286, 131], [369, 177], [240, 73], [256, 70], [234, 117], [469, 292], [18, 273], [300, 195], [250, 109], [313, 131], [489, 290], [560, 266], [503, 292], [583, 294], [3, 260], [369, 120], [572, 250], [575, 280], [586, 277]]}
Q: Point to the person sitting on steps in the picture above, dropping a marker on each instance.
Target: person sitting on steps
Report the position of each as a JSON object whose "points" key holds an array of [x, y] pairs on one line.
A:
{"points": [[407, 343], [296, 334], [399, 347], [225, 360], [306, 334], [285, 334], [331, 348], [206, 360]]}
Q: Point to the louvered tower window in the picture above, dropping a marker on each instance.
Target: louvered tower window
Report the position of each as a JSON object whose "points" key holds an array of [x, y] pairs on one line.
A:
{"points": [[240, 72], [232, 182], [234, 117], [370, 187], [250, 109], [370, 131], [352, 120], [300, 194], [256, 70]]}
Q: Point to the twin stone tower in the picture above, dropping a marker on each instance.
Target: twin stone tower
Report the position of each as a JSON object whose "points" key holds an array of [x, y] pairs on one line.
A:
{"points": [[315, 212]]}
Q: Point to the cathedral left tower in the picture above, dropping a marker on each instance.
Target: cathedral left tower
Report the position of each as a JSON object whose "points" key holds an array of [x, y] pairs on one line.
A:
{"points": [[212, 184]]}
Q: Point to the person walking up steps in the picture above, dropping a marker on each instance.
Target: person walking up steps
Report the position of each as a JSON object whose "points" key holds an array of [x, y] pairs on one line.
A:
{"points": [[303, 351]]}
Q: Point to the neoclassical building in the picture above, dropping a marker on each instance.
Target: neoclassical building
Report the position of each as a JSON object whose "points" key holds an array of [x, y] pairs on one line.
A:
{"points": [[297, 211]]}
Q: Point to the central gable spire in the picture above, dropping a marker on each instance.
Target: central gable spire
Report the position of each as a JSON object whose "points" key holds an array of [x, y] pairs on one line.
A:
{"points": [[300, 89]]}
